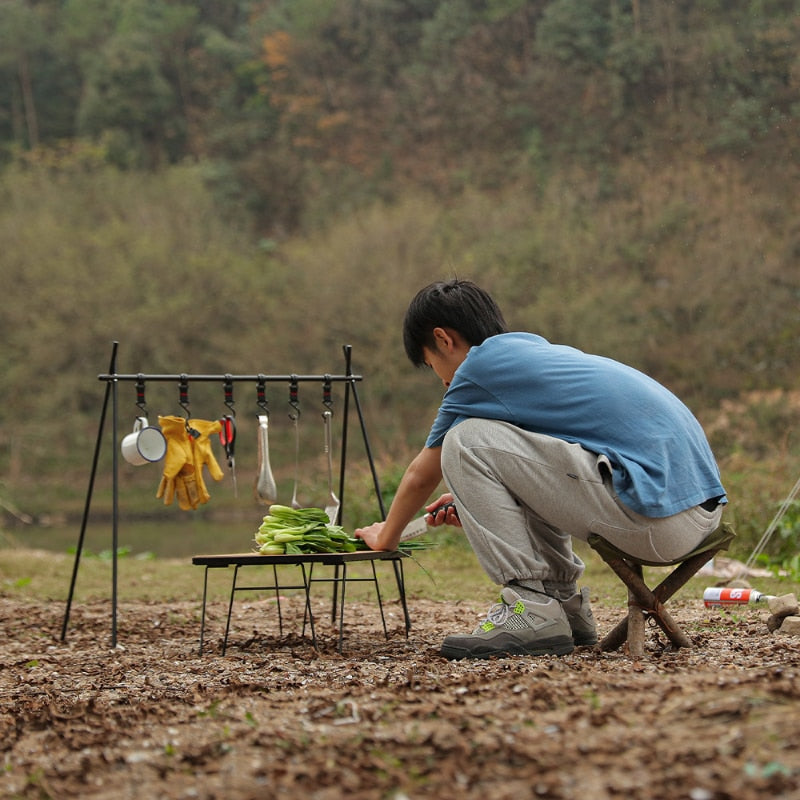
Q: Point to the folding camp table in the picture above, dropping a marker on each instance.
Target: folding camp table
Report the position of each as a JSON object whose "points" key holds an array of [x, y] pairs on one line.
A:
{"points": [[306, 563]]}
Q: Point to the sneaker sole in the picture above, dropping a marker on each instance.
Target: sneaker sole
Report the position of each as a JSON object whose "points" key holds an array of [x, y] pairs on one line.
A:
{"points": [[585, 639], [555, 646]]}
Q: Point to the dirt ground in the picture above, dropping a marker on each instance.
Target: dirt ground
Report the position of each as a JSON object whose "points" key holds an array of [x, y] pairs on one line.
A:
{"points": [[388, 718]]}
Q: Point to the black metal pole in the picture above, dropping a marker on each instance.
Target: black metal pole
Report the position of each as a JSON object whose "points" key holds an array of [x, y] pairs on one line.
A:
{"points": [[98, 443], [115, 512], [345, 420], [365, 436]]}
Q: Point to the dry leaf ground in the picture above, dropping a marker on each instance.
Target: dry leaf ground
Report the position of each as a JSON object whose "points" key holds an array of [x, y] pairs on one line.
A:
{"points": [[387, 718]]}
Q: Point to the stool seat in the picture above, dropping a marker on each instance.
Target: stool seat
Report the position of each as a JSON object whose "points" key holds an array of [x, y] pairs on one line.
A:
{"points": [[644, 602]]}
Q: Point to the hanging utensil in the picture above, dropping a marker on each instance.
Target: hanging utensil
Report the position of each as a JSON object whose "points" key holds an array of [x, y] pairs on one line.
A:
{"points": [[227, 438], [227, 433], [266, 490], [332, 509], [294, 415]]}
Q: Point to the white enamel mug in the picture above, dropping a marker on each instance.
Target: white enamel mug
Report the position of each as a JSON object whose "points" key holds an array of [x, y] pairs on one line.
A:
{"points": [[145, 445]]}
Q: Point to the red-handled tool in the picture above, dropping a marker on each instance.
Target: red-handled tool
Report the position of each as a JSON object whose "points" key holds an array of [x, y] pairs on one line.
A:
{"points": [[227, 438]]}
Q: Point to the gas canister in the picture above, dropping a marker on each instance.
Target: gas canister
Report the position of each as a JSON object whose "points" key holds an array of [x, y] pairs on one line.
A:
{"points": [[720, 596]]}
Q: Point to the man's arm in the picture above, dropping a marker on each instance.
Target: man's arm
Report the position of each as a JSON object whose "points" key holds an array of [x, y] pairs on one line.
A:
{"points": [[420, 479]]}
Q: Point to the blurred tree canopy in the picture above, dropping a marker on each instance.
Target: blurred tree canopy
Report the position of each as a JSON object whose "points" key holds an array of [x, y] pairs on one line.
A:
{"points": [[303, 108]]}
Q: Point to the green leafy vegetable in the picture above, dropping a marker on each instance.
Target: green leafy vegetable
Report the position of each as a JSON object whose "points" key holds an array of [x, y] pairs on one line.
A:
{"points": [[296, 531]]}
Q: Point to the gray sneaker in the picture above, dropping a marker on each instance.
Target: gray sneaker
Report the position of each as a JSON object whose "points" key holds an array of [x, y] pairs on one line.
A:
{"points": [[581, 619], [515, 627]]}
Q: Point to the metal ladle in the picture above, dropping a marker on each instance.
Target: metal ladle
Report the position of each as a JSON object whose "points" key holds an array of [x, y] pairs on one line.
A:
{"points": [[294, 415]]}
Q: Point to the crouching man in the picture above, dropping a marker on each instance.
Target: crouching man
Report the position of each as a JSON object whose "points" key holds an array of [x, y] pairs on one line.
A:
{"points": [[537, 443]]}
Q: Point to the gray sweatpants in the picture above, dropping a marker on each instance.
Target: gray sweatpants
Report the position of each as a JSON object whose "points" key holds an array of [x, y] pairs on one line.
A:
{"points": [[521, 496]]}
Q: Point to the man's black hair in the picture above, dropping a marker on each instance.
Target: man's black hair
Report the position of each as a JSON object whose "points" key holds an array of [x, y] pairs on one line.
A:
{"points": [[456, 304]]}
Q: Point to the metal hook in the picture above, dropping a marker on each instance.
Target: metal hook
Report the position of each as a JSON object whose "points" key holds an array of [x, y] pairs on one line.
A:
{"points": [[261, 394], [140, 401], [228, 388], [183, 402], [294, 414], [183, 395]]}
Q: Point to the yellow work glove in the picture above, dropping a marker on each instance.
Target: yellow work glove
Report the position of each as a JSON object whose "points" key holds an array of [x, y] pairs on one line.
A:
{"points": [[189, 495], [179, 467], [202, 454]]}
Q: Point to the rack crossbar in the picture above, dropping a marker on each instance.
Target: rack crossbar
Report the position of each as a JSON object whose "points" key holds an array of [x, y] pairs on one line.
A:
{"points": [[110, 377]]}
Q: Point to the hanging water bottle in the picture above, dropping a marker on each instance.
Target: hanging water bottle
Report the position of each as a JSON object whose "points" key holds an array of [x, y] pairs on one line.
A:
{"points": [[716, 596]]}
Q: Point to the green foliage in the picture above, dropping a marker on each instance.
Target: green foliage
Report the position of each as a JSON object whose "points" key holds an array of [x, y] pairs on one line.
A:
{"points": [[574, 32], [324, 105], [126, 96], [785, 553]]}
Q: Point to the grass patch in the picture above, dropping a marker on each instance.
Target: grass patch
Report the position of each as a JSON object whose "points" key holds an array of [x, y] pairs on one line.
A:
{"points": [[449, 572]]}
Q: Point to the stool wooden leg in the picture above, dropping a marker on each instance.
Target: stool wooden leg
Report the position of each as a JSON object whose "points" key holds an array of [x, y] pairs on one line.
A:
{"points": [[679, 576], [670, 627], [635, 621], [616, 637], [642, 601], [635, 636]]}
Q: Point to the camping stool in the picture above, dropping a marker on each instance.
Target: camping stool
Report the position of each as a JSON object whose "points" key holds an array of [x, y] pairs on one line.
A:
{"points": [[644, 602]]}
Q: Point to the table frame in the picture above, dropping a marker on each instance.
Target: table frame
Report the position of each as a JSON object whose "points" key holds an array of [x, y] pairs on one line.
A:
{"points": [[339, 561]]}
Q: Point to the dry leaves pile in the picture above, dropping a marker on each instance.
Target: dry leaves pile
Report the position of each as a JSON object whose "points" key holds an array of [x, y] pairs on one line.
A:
{"points": [[387, 718]]}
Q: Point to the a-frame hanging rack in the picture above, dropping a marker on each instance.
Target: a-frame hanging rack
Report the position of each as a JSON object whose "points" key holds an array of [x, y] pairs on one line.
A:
{"points": [[112, 380]]}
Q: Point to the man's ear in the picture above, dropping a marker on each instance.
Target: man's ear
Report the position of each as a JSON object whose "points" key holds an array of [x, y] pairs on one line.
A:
{"points": [[443, 338]]}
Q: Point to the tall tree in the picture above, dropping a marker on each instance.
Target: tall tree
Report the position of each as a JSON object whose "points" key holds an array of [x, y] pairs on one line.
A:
{"points": [[22, 34]]}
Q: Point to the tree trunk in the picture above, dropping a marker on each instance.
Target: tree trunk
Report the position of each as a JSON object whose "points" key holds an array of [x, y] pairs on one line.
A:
{"points": [[28, 104]]}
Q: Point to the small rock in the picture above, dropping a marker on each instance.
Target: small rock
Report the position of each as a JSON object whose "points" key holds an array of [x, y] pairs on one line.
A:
{"points": [[783, 606], [791, 626], [773, 623]]}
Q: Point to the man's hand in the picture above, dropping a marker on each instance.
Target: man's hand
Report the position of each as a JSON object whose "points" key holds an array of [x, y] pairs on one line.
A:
{"points": [[371, 535], [443, 512]]}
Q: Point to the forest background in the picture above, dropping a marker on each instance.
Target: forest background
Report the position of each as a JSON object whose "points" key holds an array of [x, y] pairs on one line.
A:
{"points": [[245, 187]]}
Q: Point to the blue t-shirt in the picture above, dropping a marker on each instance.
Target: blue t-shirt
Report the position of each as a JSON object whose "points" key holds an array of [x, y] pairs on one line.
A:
{"points": [[660, 457]]}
